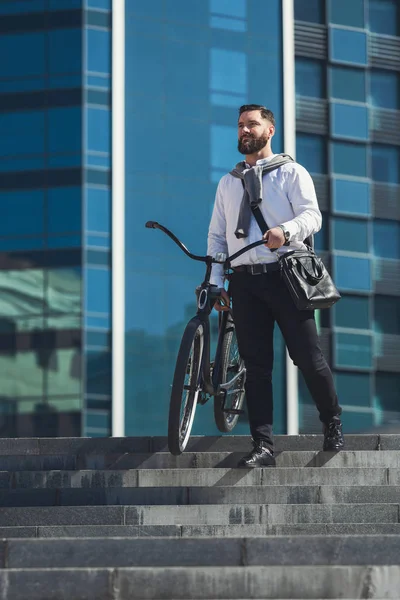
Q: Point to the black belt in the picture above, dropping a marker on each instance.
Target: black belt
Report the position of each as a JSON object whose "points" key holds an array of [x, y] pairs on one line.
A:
{"points": [[257, 269]]}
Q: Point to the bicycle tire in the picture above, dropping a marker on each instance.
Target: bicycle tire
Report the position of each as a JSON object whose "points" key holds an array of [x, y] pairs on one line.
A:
{"points": [[231, 364], [187, 375]]}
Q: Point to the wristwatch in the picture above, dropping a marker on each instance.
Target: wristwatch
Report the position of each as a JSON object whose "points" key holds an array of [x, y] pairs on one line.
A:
{"points": [[286, 233]]}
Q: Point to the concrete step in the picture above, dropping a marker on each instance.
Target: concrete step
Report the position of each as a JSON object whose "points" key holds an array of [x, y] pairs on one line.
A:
{"points": [[177, 531], [264, 494], [208, 514], [199, 477], [192, 552], [201, 583], [192, 460]]}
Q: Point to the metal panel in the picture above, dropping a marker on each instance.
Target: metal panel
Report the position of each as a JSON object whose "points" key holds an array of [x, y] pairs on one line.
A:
{"points": [[312, 115], [386, 201], [386, 276], [387, 352], [384, 51], [385, 126], [310, 40]]}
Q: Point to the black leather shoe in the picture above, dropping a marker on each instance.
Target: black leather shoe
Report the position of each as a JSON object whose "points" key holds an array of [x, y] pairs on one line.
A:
{"points": [[260, 456], [333, 436]]}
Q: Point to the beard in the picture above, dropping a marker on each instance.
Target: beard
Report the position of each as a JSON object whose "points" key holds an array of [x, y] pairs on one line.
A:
{"points": [[250, 145]]}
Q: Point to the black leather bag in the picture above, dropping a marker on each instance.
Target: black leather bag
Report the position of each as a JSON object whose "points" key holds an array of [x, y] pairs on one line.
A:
{"points": [[307, 280]]}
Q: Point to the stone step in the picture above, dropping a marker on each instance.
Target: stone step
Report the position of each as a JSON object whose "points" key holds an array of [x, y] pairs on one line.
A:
{"points": [[199, 477], [201, 583], [197, 552], [192, 460], [264, 494], [208, 514], [178, 531], [143, 445]]}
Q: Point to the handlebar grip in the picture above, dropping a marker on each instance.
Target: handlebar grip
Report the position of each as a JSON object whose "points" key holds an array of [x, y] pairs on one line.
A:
{"points": [[151, 224]]}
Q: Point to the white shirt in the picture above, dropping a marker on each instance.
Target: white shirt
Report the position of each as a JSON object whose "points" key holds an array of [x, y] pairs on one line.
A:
{"points": [[289, 199]]}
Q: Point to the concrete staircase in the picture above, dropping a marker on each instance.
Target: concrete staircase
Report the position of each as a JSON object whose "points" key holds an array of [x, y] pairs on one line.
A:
{"points": [[119, 519]]}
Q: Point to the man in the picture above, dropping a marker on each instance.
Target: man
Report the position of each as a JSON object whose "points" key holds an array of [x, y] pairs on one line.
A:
{"points": [[285, 195]]}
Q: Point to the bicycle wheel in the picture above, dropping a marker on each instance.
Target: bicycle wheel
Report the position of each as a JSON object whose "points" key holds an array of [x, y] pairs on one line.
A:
{"points": [[186, 387], [231, 365]]}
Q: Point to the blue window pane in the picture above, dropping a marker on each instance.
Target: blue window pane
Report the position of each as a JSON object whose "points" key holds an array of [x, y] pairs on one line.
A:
{"points": [[321, 239], [310, 78], [106, 4], [386, 398], [386, 236], [353, 350], [228, 71], [349, 121], [348, 46], [387, 315], [354, 388], [21, 133], [385, 163], [353, 273], [64, 241], [352, 197], [98, 372], [350, 234], [22, 6], [98, 48], [385, 89], [64, 131], [64, 209], [22, 164], [311, 152], [22, 213], [65, 51], [343, 12], [384, 16], [64, 4], [98, 129], [98, 290], [22, 54], [348, 84], [98, 209], [27, 243], [23, 85], [353, 312], [65, 81], [349, 159], [312, 11]]}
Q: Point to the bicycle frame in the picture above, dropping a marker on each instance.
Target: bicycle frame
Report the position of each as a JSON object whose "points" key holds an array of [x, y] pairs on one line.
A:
{"points": [[207, 295]]}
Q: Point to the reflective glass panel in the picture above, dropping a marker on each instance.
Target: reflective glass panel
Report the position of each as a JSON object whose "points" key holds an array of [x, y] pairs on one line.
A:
{"points": [[65, 51], [64, 296], [351, 235], [385, 89], [349, 121], [310, 78], [387, 315], [384, 16], [64, 372], [98, 48], [64, 129], [22, 213], [311, 152], [98, 209], [22, 293], [106, 4], [22, 6], [353, 312], [64, 212], [21, 374], [312, 11], [348, 46], [386, 398], [21, 133], [386, 235], [98, 296], [343, 12], [98, 129], [349, 159], [385, 163], [353, 273], [352, 197], [354, 388], [353, 350], [348, 83], [22, 54]]}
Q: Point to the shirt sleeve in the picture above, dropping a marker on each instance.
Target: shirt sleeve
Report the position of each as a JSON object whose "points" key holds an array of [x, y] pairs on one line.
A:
{"points": [[217, 236], [302, 196]]}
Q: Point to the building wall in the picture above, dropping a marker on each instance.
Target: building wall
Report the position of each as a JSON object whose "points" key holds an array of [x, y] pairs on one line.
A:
{"points": [[189, 66], [348, 136]]}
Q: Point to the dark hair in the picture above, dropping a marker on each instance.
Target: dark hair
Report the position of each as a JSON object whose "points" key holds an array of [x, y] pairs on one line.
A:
{"points": [[265, 112]]}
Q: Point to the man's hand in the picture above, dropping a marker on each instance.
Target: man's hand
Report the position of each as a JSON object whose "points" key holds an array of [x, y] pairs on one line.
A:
{"points": [[274, 237], [224, 297]]}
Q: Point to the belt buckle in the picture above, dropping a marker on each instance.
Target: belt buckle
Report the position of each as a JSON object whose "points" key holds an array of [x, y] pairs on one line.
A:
{"points": [[252, 267]]}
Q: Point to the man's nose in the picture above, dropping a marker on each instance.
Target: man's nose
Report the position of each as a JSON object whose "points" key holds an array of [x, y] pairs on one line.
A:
{"points": [[246, 129]]}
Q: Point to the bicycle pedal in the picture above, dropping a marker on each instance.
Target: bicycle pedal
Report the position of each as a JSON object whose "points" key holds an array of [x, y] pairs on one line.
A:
{"points": [[233, 411]]}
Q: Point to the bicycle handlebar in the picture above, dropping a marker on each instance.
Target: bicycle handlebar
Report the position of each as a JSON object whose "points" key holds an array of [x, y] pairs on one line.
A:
{"points": [[206, 259]]}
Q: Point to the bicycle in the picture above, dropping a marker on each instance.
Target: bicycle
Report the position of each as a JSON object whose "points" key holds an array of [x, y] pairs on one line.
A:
{"points": [[196, 378]]}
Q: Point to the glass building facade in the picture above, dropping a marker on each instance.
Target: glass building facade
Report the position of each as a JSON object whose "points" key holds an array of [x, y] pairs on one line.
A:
{"points": [[347, 60], [184, 68]]}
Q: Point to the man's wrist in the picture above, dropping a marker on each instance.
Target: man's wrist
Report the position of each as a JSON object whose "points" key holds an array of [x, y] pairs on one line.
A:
{"points": [[286, 235]]}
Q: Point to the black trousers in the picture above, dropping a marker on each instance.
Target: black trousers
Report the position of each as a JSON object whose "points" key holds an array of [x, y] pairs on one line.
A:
{"points": [[258, 301]]}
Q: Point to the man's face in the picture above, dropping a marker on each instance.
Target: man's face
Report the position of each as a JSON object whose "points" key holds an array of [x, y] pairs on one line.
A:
{"points": [[253, 132]]}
